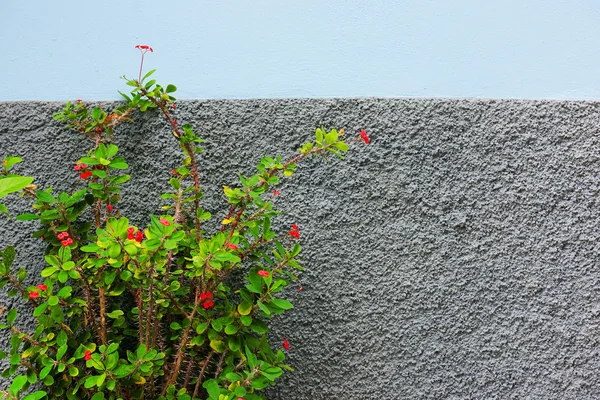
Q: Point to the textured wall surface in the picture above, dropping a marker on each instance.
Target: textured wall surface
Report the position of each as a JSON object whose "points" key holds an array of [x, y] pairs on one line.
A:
{"points": [[455, 257]]}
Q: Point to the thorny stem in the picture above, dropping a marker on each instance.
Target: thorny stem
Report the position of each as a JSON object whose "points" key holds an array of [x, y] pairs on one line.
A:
{"points": [[183, 343], [202, 371], [220, 364], [189, 149]]}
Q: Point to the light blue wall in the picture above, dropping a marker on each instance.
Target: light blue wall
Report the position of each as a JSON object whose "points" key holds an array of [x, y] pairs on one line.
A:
{"points": [[66, 49]]}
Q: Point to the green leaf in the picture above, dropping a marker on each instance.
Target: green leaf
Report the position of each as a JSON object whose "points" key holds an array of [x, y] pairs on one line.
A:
{"points": [[212, 387], [89, 160], [115, 314], [282, 303], [27, 217], [114, 251], [148, 74], [201, 328], [39, 310], [331, 137], [10, 161], [98, 396], [342, 146], [44, 196], [96, 113], [263, 307], [46, 272], [9, 256], [217, 345], [171, 88], [90, 381], [35, 396], [123, 370], [111, 151], [244, 308], [53, 301], [175, 183], [231, 329], [119, 165], [99, 173], [13, 184], [3, 209], [17, 385], [11, 316]]}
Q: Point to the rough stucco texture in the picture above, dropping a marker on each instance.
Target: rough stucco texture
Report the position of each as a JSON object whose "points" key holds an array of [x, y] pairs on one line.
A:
{"points": [[455, 257]]}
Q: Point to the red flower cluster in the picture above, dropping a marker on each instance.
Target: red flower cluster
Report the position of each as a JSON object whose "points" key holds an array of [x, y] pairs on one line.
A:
{"points": [[207, 298], [138, 237], [275, 192], [144, 48], [264, 273], [295, 232], [78, 101], [64, 238], [164, 221], [85, 172], [286, 344], [33, 294], [232, 246], [363, 135], [88, 355], [42, 286]]}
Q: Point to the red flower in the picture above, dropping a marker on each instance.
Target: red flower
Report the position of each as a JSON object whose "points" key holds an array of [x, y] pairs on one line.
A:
{"points": [[139, 236], [206, 296], [85, 175], [78, 101], [295, 227], [264, 273], [300, 288], [173, 106], [42, 286], [110, 207], [88, 355], [164, 221], [130, 231], [67, 242], [98, 129], [286, 344], [33, 294], [207, 304], [144, 48], [232, 246], [62, 235], [175, 122], [295, 234], [275, 192], [363, 135]]}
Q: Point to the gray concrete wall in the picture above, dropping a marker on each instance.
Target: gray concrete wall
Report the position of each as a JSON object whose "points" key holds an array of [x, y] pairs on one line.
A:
{"points": [[455, 257]]}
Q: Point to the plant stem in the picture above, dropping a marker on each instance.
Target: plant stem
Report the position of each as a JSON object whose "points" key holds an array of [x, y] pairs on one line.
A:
{"points": [[201, 375]]}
